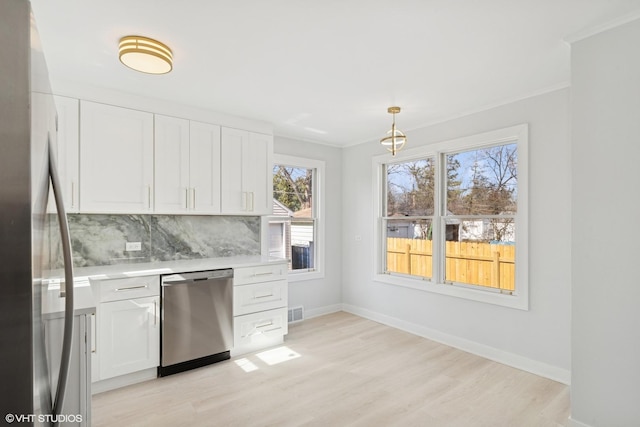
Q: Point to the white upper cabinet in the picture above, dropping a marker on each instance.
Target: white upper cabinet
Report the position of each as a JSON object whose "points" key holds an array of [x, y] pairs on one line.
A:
{"points": [[68, 153], [204, 173], [187, 167], [116, 159], [171, 165], [257, 172], [246, 172]]}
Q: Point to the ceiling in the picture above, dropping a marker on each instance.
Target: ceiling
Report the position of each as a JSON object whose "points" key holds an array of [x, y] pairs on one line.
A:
{"points": [[326, 71]]}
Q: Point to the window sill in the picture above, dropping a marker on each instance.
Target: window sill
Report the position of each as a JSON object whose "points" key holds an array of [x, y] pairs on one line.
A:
{"points": [[518, 301], [303, 276]]}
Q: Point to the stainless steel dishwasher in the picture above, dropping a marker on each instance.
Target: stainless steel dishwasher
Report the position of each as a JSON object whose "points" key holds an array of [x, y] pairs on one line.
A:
{"points": [[196, 320]]}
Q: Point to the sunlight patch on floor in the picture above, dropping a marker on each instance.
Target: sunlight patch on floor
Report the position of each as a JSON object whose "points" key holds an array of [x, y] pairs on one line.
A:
{"points": [[278, 355], [246, 365]]}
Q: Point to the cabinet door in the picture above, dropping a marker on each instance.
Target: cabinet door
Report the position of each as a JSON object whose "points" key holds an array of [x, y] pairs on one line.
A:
{"points": [[204, 172], [233, 196], [171, 165], [257, 174], [128, 336], [247, 182], [116, 159], [68, 153]]}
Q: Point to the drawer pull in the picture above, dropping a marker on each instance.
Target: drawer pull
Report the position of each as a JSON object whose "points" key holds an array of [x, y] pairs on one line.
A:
{"points": [[263, 296], [131, 288], [262, 331], [264, 325], [268, 273]]}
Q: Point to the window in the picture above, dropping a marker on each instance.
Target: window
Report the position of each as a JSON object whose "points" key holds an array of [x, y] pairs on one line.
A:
{"points": [[295, 229], [449, 215]]}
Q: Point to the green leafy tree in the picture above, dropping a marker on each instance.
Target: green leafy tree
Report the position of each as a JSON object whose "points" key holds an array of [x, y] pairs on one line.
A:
{"points": [[292, 187]]}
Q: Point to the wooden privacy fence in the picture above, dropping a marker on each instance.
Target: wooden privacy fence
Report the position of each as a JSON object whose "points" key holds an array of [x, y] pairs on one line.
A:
{"points": [[482, 264]]}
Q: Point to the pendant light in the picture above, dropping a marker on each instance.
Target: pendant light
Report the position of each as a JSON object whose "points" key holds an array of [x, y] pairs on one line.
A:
{"points": [[145, 55], [395, 139]]}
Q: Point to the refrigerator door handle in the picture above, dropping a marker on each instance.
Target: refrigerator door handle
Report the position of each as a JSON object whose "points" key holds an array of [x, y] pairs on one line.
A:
{"points": [[65, 359]]}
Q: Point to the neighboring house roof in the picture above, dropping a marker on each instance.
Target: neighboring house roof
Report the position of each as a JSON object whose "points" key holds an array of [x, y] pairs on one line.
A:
{"points": [[281, 210], [303, 213]]}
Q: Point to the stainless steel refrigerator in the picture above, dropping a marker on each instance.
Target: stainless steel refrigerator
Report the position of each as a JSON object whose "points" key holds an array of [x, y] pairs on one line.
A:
{"points": [[26, 130]]}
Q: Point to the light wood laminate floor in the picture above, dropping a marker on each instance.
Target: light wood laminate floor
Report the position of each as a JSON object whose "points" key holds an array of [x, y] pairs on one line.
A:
{"points": [[342, 370]]}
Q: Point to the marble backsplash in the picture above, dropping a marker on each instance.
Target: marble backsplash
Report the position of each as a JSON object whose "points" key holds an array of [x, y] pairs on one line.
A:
{"points": [[100, 239]]}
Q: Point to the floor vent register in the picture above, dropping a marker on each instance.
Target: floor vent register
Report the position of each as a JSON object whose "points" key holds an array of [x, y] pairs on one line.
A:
{"points": [[296, 314]]}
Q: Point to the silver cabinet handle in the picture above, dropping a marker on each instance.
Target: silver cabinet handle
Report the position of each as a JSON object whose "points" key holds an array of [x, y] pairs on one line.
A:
{"points": [[263, 296], [94, 336], [149, 195], [155, 313], [186, 198], [193, 201], [268, 273], [131, 288], [258, 329], [73, 195], [264, 325], [252, 202]]}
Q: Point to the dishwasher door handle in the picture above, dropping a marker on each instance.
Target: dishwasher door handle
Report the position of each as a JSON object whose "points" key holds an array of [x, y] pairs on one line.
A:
{"points": [[194, 278], [192, 281]]}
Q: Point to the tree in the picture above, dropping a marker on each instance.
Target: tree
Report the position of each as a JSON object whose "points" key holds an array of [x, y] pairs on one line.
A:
{"points": [[490, 189], [293, 187], [410, 188]]}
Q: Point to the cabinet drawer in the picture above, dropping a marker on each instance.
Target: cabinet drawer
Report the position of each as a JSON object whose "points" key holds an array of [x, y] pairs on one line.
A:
{"points": [[259, 273], [128, 288], [259, 297], [259, 330]]}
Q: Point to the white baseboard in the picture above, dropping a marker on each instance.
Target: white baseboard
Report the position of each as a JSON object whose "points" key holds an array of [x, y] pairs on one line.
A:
{"points": [[123, 380], [575, 423], [514, 360], [327, 309]]}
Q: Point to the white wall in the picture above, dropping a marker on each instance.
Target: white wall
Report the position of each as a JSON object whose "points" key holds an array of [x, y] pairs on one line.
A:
{"points": [[319, 296], [605, 377], [538, 339]]}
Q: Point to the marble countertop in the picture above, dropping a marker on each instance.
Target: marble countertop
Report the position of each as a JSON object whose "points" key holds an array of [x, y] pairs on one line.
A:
{"points": [[53, 303], [119, 271], [84, 302]]}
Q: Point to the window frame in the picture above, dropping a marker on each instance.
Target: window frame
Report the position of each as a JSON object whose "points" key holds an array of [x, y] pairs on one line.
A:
{"points": [[318, 216], [519, 299]]}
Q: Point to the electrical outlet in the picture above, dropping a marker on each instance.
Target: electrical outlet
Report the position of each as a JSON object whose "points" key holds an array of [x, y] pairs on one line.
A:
{"points": [[133, 246]]}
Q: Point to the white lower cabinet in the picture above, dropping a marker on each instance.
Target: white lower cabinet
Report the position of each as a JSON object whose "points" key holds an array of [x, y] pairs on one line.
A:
{"points": [[127, 329], [129, 339], [260, 303]]}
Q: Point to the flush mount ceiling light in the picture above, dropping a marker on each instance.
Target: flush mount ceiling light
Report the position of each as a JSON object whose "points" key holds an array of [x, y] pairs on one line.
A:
{"points": [[145, 55], [395, 140]]}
